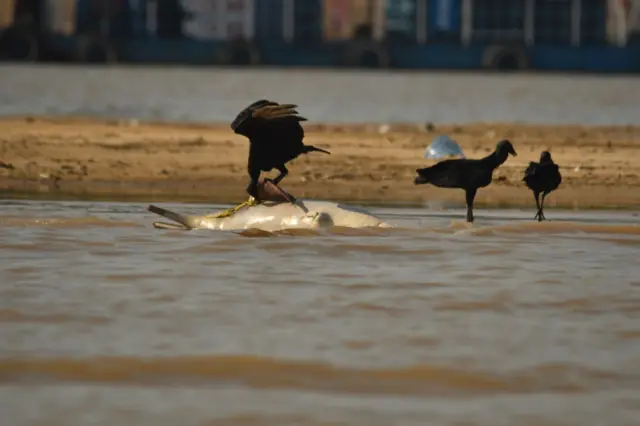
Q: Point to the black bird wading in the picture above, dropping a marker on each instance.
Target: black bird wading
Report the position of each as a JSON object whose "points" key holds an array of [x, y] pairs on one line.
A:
{"points": [[275, 138], [467, 174], [543, 177]]}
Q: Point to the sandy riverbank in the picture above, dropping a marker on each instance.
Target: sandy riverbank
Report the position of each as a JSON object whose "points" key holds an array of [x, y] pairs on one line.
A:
{"points": [[208, 162]]}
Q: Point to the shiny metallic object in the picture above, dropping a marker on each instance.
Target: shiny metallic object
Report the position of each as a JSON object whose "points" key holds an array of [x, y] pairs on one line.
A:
{"points": [[443, 147]]}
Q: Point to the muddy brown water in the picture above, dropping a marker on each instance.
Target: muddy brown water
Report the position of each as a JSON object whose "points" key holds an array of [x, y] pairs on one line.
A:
{"points": [[107, 321]]}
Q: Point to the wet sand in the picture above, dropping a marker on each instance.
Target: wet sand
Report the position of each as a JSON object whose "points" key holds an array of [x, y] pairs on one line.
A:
{"points": [[93, 157]]}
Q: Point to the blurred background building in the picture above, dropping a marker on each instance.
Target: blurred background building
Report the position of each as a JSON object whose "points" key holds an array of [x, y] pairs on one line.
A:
{"points": [[592, 35]]}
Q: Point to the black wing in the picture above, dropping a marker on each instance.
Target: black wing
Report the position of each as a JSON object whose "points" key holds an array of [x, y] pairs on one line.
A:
{"points": [[530, 171], [265, 119], [556, 176], [454, 172]]}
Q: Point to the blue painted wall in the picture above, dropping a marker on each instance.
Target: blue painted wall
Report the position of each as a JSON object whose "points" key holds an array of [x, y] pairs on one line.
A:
{"points": [[401, 20], [268, 20], [308, 21], [444, 20]]}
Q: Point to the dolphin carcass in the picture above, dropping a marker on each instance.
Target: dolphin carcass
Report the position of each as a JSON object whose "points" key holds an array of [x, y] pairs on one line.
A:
{"points": [[274, 216]]}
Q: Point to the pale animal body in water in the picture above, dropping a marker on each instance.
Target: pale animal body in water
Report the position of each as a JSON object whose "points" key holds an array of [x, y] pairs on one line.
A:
{"points": [[276, 216], [467, 174], [542, 178], [277, 212]]}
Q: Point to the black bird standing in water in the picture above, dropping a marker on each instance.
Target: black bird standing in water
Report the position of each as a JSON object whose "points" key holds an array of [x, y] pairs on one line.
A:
{"points": [[466, 173], [275, 138], [542, 177]]}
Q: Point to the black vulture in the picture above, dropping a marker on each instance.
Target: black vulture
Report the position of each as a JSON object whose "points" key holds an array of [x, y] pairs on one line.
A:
{"points": [[542, 177], [275, 138], [466, 173]]}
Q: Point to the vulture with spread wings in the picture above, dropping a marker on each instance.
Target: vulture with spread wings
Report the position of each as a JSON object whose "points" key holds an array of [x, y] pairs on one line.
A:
{"points": [[275, 138]]}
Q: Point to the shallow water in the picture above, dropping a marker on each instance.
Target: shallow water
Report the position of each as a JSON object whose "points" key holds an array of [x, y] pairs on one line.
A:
{"points": [[106, 321], [210, 94]]}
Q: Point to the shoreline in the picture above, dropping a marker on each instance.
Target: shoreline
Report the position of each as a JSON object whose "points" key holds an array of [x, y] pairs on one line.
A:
{"points": [[89, 158]]}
